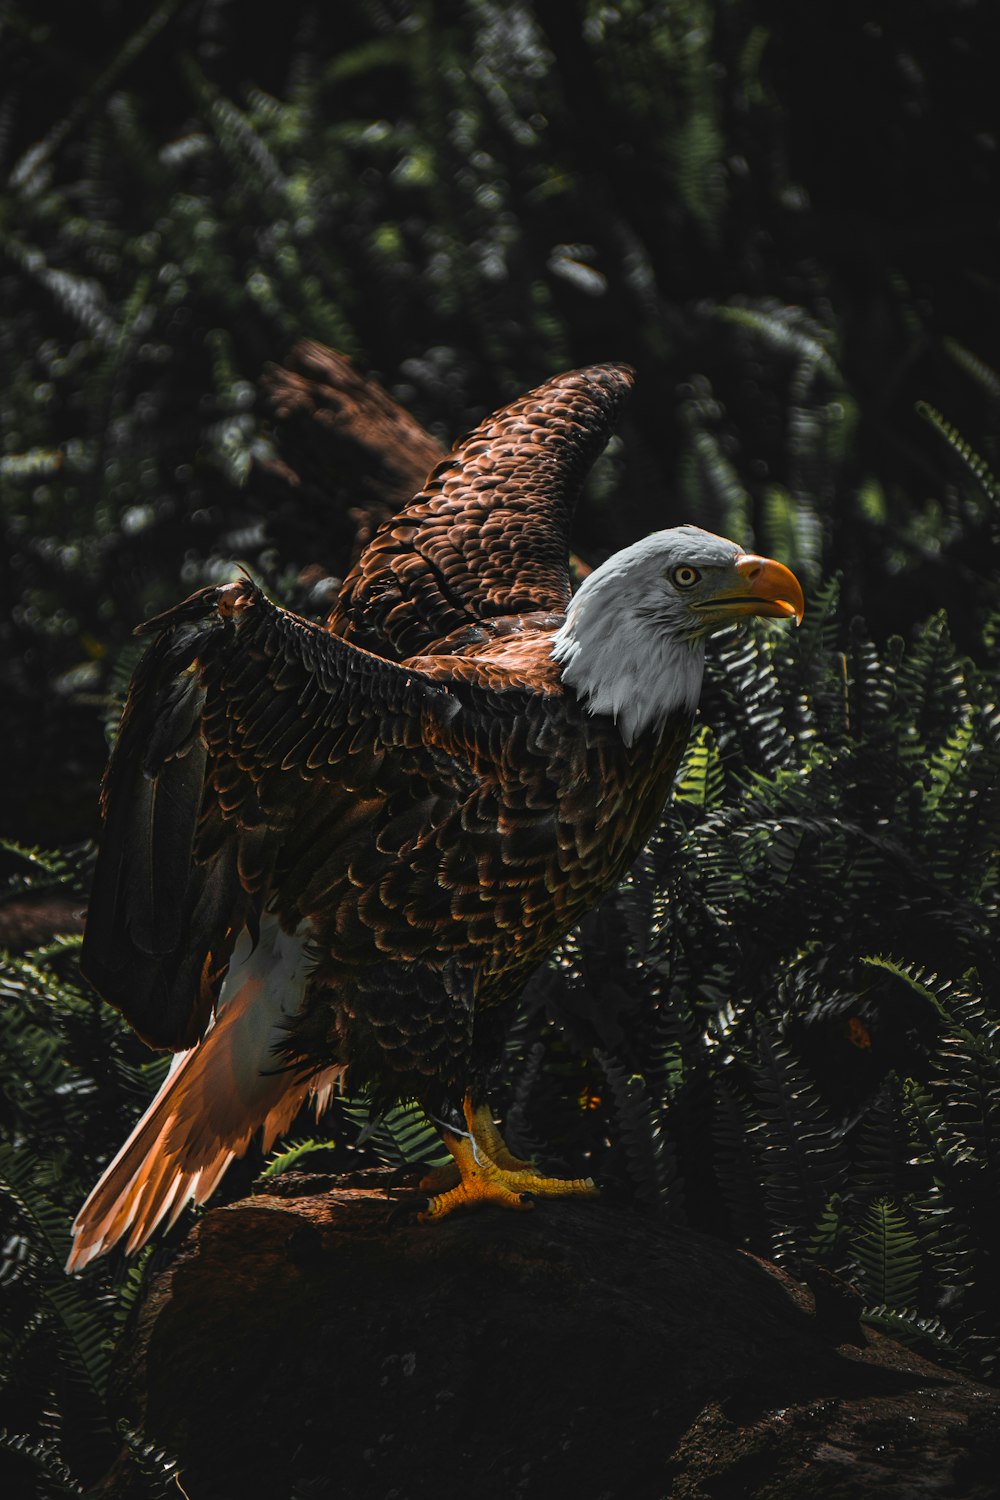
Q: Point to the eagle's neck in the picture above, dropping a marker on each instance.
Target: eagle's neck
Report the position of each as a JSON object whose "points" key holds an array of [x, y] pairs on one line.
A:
{"points": [[630, 663]]}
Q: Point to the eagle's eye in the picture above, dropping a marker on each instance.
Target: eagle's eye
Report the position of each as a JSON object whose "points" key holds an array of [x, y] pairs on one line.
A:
{"points": [[685, 576]]}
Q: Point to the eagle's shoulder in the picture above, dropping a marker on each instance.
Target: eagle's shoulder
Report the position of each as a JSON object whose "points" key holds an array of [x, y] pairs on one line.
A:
{"points": [[509, 660]]}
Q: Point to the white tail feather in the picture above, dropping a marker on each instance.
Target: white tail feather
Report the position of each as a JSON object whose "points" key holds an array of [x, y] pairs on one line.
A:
{"points": [[211, 1103]]}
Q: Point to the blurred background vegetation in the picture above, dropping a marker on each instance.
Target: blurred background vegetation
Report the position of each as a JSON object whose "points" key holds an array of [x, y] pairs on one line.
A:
{"points": [[785, 216]]}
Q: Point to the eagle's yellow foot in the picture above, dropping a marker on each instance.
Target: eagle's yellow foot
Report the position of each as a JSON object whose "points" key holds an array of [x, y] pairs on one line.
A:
{"points": [[489, 1142], [487, 1172]]}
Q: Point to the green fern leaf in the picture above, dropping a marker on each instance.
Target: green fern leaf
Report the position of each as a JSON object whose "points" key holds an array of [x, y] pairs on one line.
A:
{"points": [[290, 1156], [886, 1256], [970, 459]]}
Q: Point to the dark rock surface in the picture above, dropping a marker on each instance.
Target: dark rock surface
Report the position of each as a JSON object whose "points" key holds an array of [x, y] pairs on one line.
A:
{"points": [[328, 1345]]}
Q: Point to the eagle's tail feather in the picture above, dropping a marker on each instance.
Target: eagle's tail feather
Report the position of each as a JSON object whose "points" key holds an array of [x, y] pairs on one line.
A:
{"points": [[211, 1103]]}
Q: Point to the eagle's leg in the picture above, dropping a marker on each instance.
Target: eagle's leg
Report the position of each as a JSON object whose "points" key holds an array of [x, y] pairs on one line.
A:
{"points": [[489, 1173], [484, 1132]]}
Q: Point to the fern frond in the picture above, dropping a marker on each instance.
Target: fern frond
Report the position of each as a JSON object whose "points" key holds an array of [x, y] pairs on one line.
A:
{"points": [[983, 374], [44, 1456], [402, 1136], [927, 986], [84, 1334], [828, 1243], [290, 1156], [886, 1256], [648, 1148], [801, 1159], [971, 461], [701, 779], [787, 331], [926, 1334], [884, 1147], [158, 1469]]}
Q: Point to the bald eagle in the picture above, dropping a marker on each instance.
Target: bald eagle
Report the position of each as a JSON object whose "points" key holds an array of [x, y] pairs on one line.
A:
{"points": [[347, 846]]}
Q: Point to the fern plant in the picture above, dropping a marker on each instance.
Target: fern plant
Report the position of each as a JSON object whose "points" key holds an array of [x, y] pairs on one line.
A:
{"points": [[836, 804], [71, 1074]]}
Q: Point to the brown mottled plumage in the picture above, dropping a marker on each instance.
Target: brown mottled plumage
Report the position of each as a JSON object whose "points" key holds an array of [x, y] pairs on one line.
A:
{"points": [[486, 539], [380, 827]]}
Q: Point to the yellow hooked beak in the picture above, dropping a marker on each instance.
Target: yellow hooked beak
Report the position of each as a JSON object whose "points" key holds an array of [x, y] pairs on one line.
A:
{"points": [[763, 587]]}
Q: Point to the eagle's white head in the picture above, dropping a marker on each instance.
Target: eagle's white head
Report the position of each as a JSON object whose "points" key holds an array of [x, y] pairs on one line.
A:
{"points": [[633, 642]]}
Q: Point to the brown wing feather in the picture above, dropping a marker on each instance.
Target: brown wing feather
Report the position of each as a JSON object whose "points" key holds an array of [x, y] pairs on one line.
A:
{"points": [[247, 734], [347, 448], [488, 536]]}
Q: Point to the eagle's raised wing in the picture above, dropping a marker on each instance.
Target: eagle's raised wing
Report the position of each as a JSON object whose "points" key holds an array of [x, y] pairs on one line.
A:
{"points": [[258, 754], [488, 535]]}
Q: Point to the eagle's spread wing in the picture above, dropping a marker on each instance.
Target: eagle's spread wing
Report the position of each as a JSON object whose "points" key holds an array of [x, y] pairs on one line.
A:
{"points": [[258, 755], [488, 536]]}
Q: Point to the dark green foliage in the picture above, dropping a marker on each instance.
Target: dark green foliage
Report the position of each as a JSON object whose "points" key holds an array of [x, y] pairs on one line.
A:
{"points": [[648, 1151], [830, 1104], [783, 1028], [72, 1075]]}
